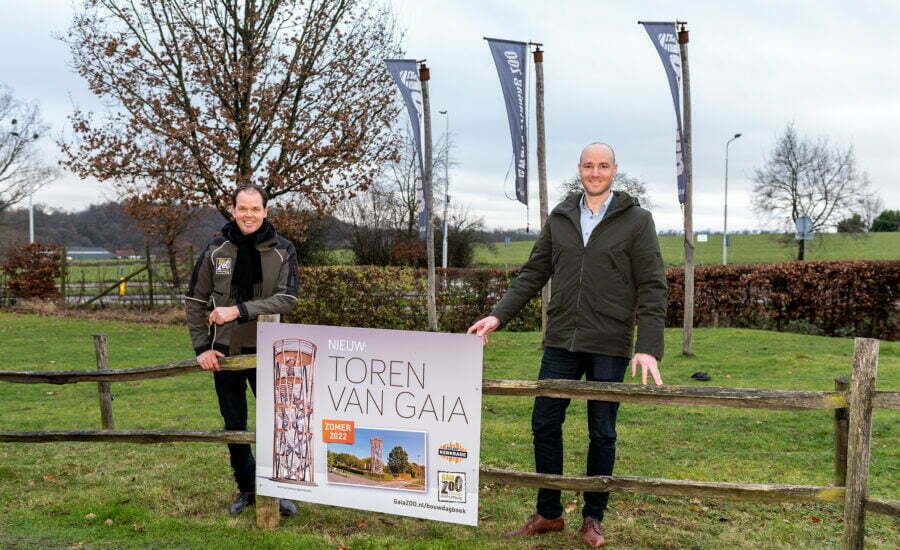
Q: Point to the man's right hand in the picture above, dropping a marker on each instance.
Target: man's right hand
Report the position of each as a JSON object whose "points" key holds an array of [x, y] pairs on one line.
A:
{"points": [[484, 327], [209, 359]]}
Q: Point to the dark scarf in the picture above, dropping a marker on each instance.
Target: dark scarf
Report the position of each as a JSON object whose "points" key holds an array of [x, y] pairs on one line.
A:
{"points": [[247, 277]]}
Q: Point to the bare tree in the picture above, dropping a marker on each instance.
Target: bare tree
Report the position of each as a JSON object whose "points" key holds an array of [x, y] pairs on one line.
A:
{"points": [[208, 94], [869, 206], [622, 181], [806, 177], [22, 170]]}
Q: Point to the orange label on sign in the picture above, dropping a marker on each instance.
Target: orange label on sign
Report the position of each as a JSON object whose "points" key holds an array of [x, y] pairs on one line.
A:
{"points": [[338, 431]]}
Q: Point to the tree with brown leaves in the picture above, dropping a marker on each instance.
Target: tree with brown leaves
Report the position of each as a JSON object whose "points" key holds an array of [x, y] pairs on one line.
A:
{"points": [[207, 95], [162, 217]]}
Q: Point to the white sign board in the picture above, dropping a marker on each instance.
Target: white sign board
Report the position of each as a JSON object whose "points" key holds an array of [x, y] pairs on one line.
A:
{"points": [[380, 420], [702, 237]]}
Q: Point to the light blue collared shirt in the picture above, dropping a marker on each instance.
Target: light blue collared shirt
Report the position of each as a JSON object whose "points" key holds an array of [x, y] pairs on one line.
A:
{"points": [[589, 220]]}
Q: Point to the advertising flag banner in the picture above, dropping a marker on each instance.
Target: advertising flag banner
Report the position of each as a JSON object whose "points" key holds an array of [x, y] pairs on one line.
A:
{"points": [[405, 73], [380, 420], [665, 39], [509, 58]]}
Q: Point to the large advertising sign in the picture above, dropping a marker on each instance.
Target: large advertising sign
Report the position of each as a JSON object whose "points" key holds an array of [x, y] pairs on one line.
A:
{"points": [[380, 420]]}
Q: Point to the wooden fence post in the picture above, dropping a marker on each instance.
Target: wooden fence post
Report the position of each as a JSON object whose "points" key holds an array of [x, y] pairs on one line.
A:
{"points": [[865, 367], [106, 415], [841, 427], [149, 273], [267, 513], [63, 273]]}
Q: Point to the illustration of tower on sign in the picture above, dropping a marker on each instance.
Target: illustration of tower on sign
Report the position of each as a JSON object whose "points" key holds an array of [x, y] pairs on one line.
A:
{"points": [[293, 449], [376, 466]]}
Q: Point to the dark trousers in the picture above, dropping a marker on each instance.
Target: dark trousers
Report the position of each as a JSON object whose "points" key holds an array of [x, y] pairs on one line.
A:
{"points": [[231, 389], [549, 414]]}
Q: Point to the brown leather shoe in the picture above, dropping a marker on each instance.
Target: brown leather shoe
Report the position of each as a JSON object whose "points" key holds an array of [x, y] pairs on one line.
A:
{"points": [[591, 534], [536, 525]]}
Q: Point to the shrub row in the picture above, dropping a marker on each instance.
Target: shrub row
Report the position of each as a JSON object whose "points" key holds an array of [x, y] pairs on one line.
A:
{"points": [[836, 298]]}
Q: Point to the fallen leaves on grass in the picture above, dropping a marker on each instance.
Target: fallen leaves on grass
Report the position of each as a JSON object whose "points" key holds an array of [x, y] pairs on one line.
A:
{"points": [[91, 515], [108, 521], [360, 523], [50, 479], [815, 519]]}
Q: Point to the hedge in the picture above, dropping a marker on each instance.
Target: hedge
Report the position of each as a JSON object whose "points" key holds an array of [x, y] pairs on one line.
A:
{"points": [[836, 298]]}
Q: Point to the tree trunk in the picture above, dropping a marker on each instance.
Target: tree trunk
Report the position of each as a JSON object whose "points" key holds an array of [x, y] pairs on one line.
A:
{"points": [[172, 251]]}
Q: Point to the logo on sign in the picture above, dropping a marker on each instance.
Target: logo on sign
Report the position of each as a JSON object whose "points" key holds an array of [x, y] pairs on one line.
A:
{"points": [[223, 266], [454, 452], [451, 486]]}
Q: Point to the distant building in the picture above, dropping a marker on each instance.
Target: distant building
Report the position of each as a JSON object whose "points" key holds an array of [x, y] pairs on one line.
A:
{"points": [[127, 254], [76, 253]]}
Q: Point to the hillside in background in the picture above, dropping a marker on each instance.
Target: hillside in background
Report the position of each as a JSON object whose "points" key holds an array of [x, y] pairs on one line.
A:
{"points": [[107, 226]]}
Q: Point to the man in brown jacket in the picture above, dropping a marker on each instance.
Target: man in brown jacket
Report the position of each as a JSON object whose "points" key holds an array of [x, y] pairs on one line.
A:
{"points": [[601, 250], [246, 271]]}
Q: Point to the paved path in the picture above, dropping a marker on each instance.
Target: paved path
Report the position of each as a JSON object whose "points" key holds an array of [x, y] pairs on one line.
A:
{"points": [[341, 476]]}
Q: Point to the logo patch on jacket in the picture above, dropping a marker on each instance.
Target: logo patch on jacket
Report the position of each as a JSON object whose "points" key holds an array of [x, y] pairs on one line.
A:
{"points": [[223, 266]]}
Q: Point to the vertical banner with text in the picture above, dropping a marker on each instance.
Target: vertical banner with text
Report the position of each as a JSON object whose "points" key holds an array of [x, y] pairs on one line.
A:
{"points": [[509, 58], [380, 420], [405, 73], [665, 39]]}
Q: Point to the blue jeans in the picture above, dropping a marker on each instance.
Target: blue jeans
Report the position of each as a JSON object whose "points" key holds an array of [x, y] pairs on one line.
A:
{"points": [[550, 412]]}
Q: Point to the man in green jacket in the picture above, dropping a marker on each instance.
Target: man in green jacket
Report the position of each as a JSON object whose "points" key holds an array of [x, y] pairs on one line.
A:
{"points": [[601, 250], [246, 271]]}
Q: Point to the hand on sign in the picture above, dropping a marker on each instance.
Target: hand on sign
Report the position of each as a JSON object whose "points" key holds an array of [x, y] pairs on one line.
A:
{"points": [[484, 327], [648, 364]]}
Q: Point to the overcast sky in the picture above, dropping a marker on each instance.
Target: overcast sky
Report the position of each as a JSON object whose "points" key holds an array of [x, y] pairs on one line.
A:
{"points": [[830, 67]]}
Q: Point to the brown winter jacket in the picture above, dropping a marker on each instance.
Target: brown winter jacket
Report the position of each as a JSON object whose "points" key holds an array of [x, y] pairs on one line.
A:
{"points": [[210, 287]]}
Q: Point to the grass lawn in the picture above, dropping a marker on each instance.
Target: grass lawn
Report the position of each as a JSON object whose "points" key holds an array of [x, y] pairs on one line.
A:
{"points": [[98, 495], [742, 250]]}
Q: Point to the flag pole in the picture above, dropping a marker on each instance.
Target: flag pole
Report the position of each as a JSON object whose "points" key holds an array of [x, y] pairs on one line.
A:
{"points": [[542, 165], [688, 328], [431, 306]]}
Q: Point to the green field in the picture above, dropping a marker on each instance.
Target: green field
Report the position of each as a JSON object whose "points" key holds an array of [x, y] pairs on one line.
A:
{"points": [[93, 495], [743, 249]]}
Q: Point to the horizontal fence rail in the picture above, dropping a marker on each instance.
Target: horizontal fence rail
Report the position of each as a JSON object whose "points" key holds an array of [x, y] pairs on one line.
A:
{"points": [[715, 396], [634, 484]]}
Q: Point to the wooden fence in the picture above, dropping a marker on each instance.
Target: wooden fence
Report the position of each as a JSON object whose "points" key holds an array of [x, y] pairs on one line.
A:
{"points": [[853, 403]]}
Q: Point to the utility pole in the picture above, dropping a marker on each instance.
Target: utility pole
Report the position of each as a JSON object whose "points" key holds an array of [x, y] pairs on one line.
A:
{"points": [[725, 227], [431, 305], [688, 330], [446, 185], [31, 218], [542, 164]]}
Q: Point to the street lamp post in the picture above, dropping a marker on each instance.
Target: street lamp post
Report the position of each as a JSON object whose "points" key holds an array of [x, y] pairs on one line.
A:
{"points": [[446, 184], [725, 227], [34, 137]]}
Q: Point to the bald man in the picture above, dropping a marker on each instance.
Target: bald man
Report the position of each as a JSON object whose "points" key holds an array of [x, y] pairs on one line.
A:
{"points": [[601, 250]]}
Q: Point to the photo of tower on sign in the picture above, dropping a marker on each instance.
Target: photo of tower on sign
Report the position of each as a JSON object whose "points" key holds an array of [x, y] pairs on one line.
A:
{"points": [[294, 448]]}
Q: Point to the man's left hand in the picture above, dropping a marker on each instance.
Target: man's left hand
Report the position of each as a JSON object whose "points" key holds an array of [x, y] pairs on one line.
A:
{"points": [[222, 315], [647, 363]]}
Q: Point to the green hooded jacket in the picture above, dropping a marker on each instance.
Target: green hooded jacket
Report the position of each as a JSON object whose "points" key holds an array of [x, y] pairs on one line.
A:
{"points": [[599, 292]]}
